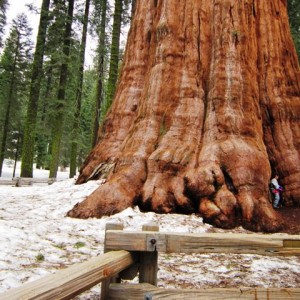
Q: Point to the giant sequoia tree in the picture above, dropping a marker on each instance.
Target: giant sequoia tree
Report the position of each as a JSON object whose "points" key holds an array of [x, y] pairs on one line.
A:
{"points": [[208, 105]]}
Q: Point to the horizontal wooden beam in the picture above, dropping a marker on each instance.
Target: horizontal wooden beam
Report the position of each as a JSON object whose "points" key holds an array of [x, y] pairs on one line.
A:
{"points": [[8, 181], [147, 291], [20, 181], [69, 282], [286, 245]]}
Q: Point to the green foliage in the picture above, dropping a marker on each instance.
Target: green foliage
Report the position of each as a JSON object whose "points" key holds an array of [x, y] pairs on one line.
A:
{"points": [[102, 50], [40, 257], [3, 8], [60, 246], [114, 54], [87, 112], [15, 66], [49, 106], [294, 18], [61, 104], [79, 245], [32, 107]]}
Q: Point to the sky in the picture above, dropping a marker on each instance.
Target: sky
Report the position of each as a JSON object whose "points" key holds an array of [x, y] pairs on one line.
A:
{"points": [[36, 239], [19, 6]]}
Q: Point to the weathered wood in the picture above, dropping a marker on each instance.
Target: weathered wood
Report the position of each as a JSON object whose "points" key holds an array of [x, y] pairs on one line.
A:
{"points": [[140, 291], [67, 283], [105, 283], [8, 181], [281, 245], [151, 226], [21, 181], [149, 259], [114, 226]]}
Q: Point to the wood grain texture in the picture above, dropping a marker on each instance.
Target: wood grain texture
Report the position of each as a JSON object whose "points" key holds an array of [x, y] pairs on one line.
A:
{"points": [[67, 283], [285, 245], [139, 291], [207, 108]]}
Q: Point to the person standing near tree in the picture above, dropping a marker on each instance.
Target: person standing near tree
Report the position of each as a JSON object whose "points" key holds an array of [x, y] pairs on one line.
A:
{"points": [[276, 189]]}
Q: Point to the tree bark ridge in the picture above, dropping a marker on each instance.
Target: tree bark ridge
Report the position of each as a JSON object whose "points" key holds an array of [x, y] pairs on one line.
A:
{"points": [[204, 111]]}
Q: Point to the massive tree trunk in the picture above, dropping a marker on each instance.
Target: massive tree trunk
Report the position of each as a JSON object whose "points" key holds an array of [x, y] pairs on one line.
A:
{"points": [[207, 106]]}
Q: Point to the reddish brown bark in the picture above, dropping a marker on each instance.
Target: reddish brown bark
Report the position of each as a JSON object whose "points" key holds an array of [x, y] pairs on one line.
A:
{"points": [[207, 105]]}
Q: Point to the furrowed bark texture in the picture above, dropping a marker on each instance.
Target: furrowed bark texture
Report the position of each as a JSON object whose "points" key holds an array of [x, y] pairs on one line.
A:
{"points": [[208, 104]]}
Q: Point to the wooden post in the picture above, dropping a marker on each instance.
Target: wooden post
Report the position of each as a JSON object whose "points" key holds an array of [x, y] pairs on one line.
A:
{"points": [[19, 182], [148, 259], [105, 283]]}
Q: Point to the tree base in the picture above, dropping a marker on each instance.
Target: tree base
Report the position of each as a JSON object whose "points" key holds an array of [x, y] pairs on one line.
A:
{"points": [[221, 206]]}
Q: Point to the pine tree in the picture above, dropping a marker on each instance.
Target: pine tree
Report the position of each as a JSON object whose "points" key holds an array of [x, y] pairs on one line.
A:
{"points": [[15, 64], [75, 133], [3, 8], [114, 53], [89, 91], [101, 52], [58, 121], [32, 109], [50, 81]]}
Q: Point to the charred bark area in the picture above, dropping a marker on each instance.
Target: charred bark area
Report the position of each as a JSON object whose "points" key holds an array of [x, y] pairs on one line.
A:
{"points": [[208, 104]]}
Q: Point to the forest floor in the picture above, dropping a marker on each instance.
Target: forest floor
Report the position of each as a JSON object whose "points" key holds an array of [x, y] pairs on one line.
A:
{"points": [[291, 219]]}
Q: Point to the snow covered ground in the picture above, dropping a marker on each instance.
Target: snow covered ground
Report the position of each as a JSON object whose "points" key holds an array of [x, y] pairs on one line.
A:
{"points": [[37, 239], [8, 170]]}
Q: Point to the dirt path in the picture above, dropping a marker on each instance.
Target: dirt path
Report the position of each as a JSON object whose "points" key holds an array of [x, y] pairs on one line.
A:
{"points": [[291, 218]]}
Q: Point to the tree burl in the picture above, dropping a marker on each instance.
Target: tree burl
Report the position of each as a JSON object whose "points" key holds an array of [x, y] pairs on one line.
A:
{"points": [[207, 106]]}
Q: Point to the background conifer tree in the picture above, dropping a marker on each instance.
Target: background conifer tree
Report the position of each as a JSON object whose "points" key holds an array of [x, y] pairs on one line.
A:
{"points": [[15, 64]]}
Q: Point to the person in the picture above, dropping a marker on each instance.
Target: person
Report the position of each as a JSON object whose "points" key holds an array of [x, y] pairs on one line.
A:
{"points": [[276, 189]]}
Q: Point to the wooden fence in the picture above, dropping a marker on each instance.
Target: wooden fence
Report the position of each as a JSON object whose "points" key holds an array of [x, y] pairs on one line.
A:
{"points": [[130, 254], [24, 181]]}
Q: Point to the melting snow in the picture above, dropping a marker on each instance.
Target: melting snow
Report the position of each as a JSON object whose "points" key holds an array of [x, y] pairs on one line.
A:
{"points": [[37, 239]]}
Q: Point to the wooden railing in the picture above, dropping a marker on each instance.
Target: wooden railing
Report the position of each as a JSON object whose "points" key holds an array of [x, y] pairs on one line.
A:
{"points": [[129, 254], [72, 281], [24, 181]]}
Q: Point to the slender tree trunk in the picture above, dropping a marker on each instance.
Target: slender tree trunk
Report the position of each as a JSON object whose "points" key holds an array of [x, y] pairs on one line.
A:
{"points": [[60, 107], [17, 153], [114, 53], [100, 73], [74, 144], [208, 104], [43, 136], [32, 108], [12, 85]]}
